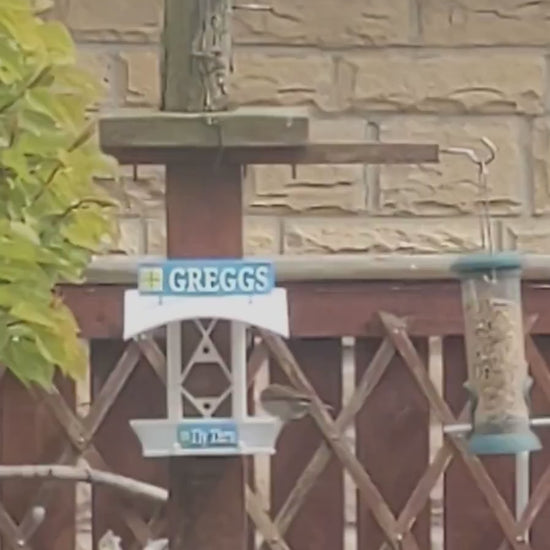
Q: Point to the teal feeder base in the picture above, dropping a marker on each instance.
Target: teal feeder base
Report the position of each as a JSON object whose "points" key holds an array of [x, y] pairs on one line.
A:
{"points": [[503, 443]]}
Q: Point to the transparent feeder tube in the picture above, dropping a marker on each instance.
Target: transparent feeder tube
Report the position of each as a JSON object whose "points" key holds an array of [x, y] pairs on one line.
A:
{"points": [[498, 380]]}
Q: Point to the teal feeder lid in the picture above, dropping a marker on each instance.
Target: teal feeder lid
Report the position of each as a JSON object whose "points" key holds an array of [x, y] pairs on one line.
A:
{"points": [[504, 443], [484, 262]]}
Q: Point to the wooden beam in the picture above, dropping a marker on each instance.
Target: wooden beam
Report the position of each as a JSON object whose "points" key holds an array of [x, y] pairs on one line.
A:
{"points": [[315, 153], [206, 507], [122, 269], [330, 309], [246, 135], [144, 129], [196, 55]]}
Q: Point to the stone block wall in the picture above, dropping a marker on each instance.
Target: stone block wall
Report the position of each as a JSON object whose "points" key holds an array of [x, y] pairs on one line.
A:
{"points": [[446, 71]]}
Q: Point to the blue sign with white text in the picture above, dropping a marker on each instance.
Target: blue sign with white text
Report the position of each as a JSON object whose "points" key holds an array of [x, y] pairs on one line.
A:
{"points": [[208, 435], [206, 278]]}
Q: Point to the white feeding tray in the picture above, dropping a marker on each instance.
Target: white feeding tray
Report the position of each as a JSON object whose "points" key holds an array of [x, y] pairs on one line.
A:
{"points": [[267, 311], [207, 436]]}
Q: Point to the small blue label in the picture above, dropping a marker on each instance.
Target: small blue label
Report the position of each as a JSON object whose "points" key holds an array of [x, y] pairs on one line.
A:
{"points": [[206, 278], [202, 435]]}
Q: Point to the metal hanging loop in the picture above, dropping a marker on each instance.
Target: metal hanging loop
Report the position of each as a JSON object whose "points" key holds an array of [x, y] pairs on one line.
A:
{"points": [[487, 240]]}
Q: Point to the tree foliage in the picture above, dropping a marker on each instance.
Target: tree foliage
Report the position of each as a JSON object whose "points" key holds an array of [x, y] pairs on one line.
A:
{"points": [[53, 216]]}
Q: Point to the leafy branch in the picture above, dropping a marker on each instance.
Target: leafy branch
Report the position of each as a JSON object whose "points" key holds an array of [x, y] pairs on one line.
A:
{"points": [[53, 215]]}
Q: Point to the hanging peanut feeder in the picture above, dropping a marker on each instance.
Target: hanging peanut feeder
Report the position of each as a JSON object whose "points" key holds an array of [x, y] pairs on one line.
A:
{"points": [[498, 381]]}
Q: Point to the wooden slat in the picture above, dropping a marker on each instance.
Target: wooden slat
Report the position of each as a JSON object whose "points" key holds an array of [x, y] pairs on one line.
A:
{"points": [[131, 129], [315, 153], [10, 533], [79, 432], [469, 522], [141, 396], [319, 523], [496, 502], [538, 509], [322, 456], [263, 522], [126, 514], [366, 488], [30, 435], [392, 443], [154, 356], [329, 309]]}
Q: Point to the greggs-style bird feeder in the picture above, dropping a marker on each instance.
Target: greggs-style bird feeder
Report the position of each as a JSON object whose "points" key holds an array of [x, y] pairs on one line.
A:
{"points": [[174, 292], [498, 381]]}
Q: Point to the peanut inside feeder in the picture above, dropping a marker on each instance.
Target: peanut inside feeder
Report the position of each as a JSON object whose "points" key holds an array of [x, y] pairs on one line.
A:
{"points": [[498, 380]]}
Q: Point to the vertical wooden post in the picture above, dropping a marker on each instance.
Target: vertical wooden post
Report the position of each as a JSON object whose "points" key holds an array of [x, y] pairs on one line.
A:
{"points": [[206, 509], [196, 58]]}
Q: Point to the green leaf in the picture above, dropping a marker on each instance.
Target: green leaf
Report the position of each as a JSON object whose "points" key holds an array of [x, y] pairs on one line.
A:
{"points": [[25, 231], [58, 42], [33, 313], [15, 5], [87, 229], [24, 271], [53, 215], [24, 359]]}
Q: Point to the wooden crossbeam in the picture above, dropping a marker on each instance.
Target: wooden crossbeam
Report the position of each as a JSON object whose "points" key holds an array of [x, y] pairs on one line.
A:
{"points": [[322, 455], [395, 330], [367, 489], [10, 531], [421, 493], [81, 432], [245, 135], [269, 530], [539, 496], [314, 153]]}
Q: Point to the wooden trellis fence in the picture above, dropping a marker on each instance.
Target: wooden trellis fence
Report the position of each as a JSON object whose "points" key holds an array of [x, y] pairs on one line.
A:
{"points": [[390, 407]]}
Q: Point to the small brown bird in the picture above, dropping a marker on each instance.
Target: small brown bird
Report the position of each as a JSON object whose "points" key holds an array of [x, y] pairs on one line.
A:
{"points": [[285, 402]]}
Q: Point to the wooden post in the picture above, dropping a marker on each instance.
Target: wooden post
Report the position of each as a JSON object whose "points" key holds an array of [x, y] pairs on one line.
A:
{"points": [[206, 509], [196, 58]]}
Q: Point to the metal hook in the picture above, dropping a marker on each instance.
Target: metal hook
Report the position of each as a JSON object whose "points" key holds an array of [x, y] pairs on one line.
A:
{"points": [[472, 154], [485, 217]]}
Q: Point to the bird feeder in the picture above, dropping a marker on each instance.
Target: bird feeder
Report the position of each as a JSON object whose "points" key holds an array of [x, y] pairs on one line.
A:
{"points": [[498, 381], [173, 292]]}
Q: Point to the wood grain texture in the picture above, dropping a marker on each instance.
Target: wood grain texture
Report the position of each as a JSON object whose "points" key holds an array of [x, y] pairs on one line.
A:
{"points": [[206, 508], [319, 523], [392, 442], [469, 521], [142, 396], [196, 55], [330, 309], [254, 153], [31, 434], [241, 127], [540, 400]]}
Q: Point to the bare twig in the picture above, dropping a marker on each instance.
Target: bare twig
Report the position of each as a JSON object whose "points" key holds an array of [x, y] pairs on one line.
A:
{"points": [[86, 475]]}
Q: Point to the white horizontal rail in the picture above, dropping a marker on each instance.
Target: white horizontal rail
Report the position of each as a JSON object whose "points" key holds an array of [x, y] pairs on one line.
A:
{"points": [[122, 269]]}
